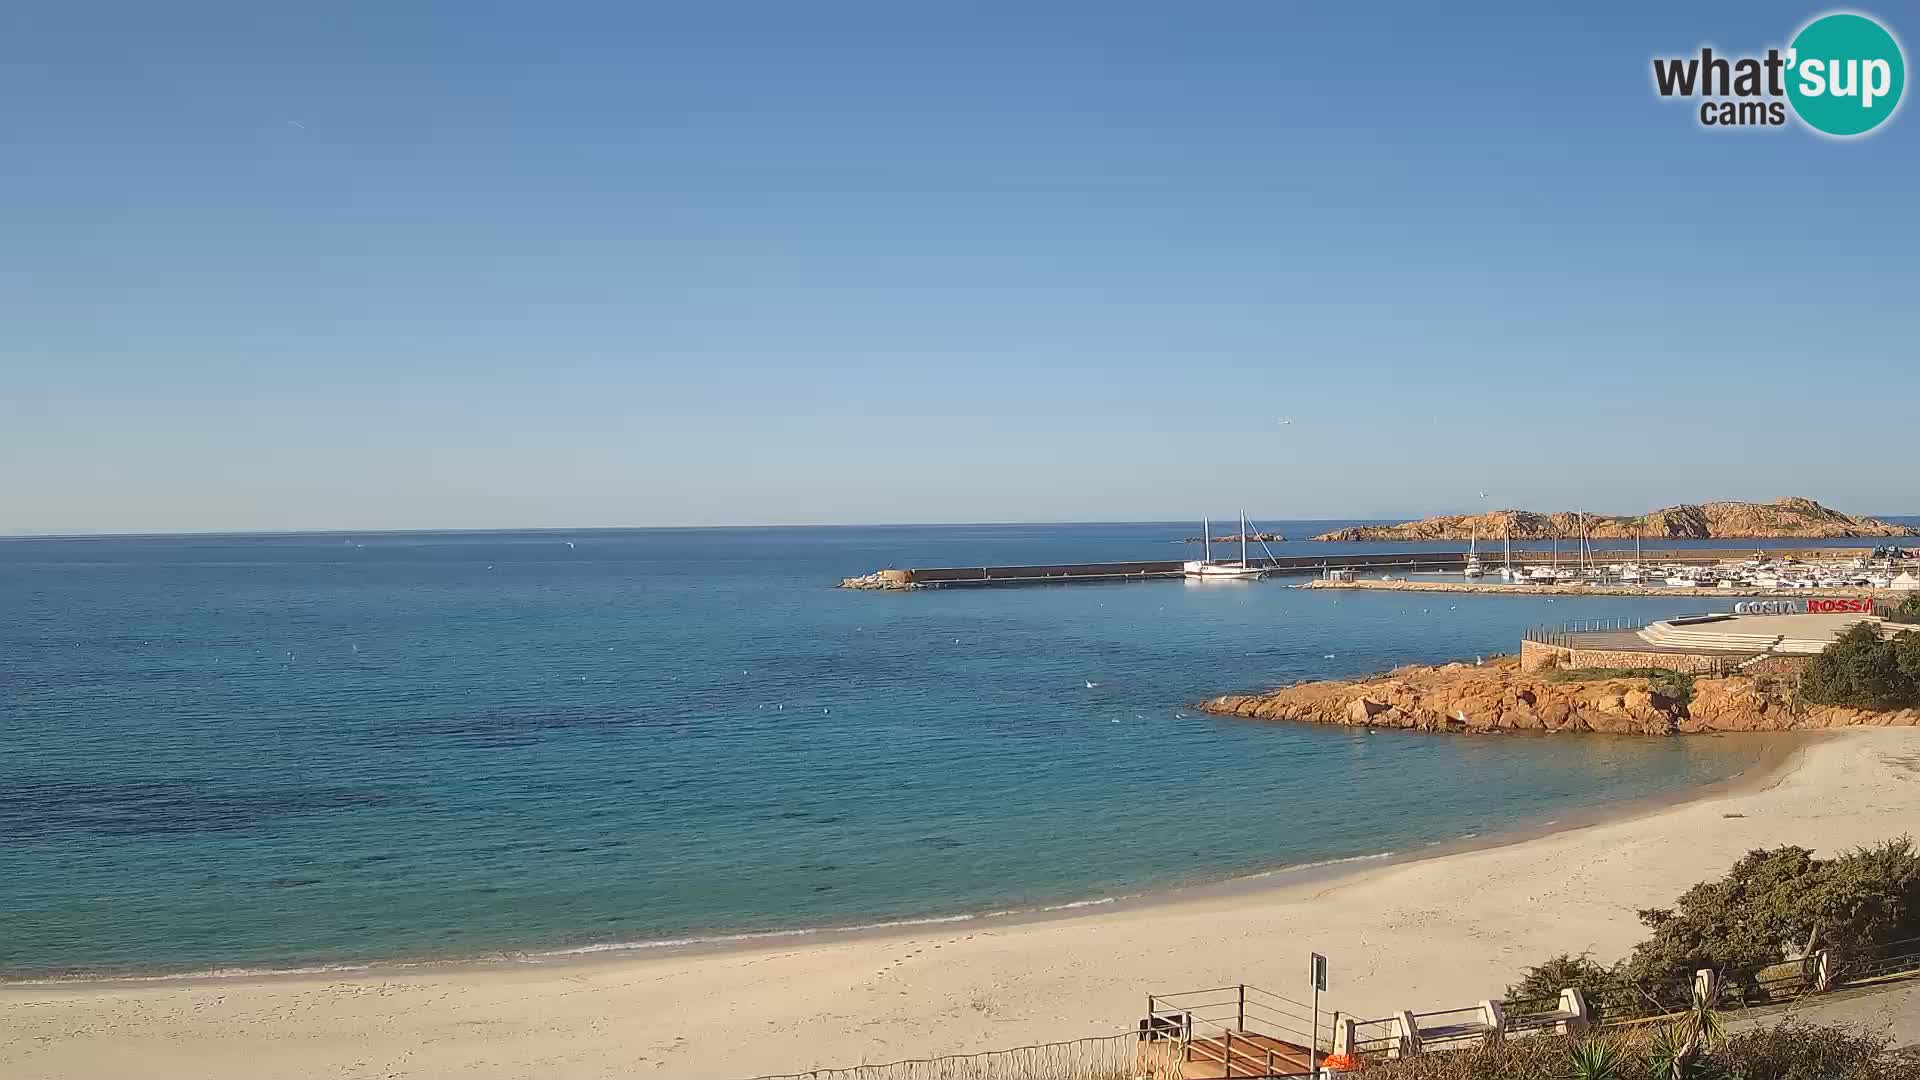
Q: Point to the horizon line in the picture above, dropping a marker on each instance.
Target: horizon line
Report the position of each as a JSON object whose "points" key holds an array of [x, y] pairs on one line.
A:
{"points": [[133, 534]]}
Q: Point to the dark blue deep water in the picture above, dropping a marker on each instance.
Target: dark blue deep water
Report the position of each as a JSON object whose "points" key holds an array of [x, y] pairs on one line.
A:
{"points": [[287, 750]]}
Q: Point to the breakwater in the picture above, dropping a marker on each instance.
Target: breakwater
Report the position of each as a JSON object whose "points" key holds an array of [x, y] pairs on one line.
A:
{"points": [[1380, 562], [1147, 570]]}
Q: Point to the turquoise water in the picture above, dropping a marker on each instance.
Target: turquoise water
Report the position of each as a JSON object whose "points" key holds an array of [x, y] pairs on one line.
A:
{"points": [[290, 750]]}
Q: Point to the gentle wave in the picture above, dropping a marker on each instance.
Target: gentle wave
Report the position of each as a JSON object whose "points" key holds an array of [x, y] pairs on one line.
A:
{"points": [[607, 947]]}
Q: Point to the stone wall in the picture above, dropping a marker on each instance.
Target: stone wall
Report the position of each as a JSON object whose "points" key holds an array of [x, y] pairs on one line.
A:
{"points": [[1535, 656]]}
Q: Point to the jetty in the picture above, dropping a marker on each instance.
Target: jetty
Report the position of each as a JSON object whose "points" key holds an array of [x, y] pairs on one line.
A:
{"points": [[1376, 562], [941, 577]]}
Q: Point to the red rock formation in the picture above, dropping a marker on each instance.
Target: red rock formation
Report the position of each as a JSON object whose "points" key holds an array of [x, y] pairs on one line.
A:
{"points": [[1789, 517], [1498, 696]]}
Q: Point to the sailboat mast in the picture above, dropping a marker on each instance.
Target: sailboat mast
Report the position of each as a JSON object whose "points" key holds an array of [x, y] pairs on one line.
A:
{"points": [[1243, 538], [1206, 538]]}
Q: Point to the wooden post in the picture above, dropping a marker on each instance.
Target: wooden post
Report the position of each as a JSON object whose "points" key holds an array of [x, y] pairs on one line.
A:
{"points": [[1226, 1053], [1242, 1024]]}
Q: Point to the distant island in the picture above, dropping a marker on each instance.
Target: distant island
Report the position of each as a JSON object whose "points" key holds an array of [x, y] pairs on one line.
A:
{"points": [[1234, 538], [1788, 518]]}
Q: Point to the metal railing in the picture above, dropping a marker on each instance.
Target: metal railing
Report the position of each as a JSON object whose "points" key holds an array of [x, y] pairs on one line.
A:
{"points": [[1527, 1016], [1375, 1037], [1561, 635], [1236, 1027], [1435, 1029], [1112, 1057], [1892, 961]]}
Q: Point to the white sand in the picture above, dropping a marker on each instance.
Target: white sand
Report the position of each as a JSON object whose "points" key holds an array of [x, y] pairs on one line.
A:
{"points": [[1436, 933]]}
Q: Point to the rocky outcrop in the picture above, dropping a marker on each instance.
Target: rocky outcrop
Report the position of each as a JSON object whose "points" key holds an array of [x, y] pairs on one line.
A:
{"points": [[1497, 696], [1790, 517], [880, 579], [1234, 538]]}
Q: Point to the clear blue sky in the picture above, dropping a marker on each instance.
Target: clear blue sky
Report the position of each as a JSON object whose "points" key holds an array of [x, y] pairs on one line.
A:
{"points": [[368, 265]]}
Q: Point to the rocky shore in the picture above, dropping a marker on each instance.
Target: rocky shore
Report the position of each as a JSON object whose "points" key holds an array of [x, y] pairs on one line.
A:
{"points": [[1496, 696], [1789, 518], [880, 579]]}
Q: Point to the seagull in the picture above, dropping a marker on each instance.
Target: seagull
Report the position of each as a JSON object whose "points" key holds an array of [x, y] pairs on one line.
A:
{"points": [[569, 543], [1091, 684], [298, 124], [1285, 420], [1329, 656]]}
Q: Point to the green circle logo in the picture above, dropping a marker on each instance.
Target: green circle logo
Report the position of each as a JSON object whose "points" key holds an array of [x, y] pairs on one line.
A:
{"points": [[1845, 74]]}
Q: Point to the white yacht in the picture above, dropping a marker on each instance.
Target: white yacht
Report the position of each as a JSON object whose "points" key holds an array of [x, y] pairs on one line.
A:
{"points": [[1474, 568], [1206, 569]]}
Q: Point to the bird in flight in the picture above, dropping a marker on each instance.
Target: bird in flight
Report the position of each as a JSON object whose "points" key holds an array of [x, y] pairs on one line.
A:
{"points": [[1285, 420]]}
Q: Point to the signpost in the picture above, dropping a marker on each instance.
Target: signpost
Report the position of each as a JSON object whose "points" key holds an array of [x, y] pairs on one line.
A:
{"points": [[1317, 974]]}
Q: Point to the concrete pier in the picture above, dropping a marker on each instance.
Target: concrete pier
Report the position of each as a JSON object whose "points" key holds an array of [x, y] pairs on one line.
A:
{"points": [[1378, 562]]}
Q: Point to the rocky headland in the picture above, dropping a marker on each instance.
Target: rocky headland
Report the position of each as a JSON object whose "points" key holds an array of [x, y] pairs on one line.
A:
{"points": [[1790, 518], [1496, 696], [1234, 538]]}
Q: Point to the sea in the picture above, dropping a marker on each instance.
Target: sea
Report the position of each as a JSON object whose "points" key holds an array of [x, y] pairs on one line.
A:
{"points": [[280, 751]]}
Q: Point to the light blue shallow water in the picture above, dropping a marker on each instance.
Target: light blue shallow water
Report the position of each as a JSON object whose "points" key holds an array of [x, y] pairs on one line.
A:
{"points": [[264, 751]]}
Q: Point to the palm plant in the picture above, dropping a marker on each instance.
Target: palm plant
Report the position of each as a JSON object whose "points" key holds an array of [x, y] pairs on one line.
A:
{"points": [[1595, 1058]]}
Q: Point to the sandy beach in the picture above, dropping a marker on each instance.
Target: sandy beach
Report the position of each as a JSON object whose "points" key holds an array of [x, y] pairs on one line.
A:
{"points": [[1424, 933]]}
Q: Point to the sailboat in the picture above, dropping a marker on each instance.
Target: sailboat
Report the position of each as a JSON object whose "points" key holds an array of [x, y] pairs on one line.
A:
{"points": [[1206, 569], [1474, 568], [1631, 573], [1508, 571]]}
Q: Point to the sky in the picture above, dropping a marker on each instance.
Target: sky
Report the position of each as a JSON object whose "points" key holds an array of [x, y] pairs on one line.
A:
{"points": [[370, 265]]}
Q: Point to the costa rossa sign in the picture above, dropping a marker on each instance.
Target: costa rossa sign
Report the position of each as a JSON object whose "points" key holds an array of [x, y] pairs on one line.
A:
{"points": [[1848, 605], [1844, 605]]}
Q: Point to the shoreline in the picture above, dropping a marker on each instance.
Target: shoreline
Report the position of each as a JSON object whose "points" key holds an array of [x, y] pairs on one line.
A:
{"points": [[1773, 757], [1527, 588], [1436, 928]]}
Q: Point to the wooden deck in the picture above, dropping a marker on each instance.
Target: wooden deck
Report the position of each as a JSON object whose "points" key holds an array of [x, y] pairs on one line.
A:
{"points": [[1251, 1055]]}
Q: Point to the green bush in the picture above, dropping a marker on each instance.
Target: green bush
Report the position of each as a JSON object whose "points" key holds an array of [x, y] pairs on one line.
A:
{"points": [[1795, 1050], [1792, 1050], [1774, 905], [1862, 670], [1545, 981], [1908, 610], [1677, 685]]}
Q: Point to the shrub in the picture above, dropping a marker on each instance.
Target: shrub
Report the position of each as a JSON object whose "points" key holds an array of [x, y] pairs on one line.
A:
{"points": [[1545, 981], [1864, 671], [1906, 656], [1788, 1051], [1795, 1050], [1908, 610], [1772, 906], [1677, 685]]}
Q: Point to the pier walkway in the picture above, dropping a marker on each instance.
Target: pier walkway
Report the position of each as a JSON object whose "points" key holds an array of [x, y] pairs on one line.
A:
{"points": [[1374, 562]]}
